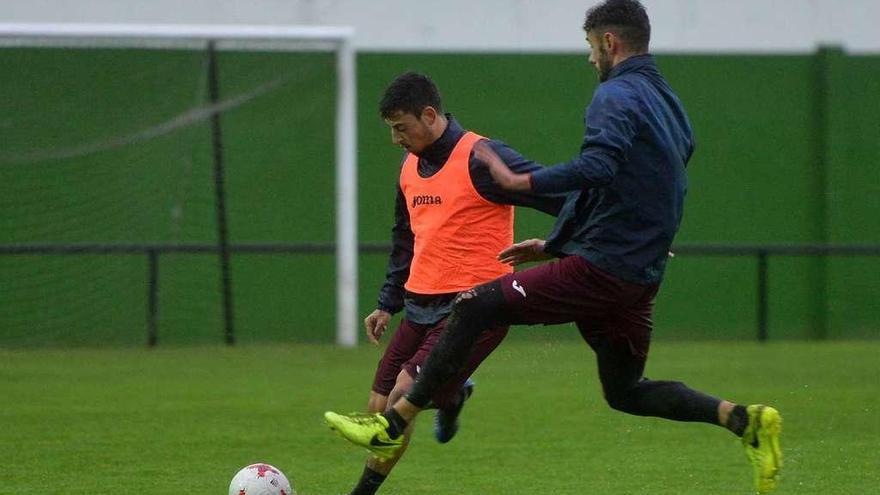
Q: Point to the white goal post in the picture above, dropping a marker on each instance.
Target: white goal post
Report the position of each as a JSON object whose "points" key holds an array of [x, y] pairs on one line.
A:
{"points": [[250, 37]]}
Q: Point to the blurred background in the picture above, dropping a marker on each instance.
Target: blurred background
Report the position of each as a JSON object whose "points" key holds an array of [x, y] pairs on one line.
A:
{"points": [[115, 145]]}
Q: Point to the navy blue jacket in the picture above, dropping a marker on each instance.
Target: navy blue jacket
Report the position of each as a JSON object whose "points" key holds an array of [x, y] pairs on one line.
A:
{"points": [[424, 309], [627, 185]]}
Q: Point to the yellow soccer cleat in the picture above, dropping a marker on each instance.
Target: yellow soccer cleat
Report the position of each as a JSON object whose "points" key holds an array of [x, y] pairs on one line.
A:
{"points": [[365, 430], [761, 441]]}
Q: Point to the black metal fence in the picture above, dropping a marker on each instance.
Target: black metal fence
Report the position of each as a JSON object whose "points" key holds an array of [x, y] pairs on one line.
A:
{"points": [[761, 252]]}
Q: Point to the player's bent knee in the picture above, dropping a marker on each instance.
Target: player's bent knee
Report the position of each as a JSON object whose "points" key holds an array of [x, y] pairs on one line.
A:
{"points": [[401, 387], [482, 303], [618, 403], [622, 400]]}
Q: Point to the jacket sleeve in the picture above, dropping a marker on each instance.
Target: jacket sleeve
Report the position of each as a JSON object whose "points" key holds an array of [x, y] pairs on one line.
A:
{"points": [[611, 122], [402, 240], [488, 189]]}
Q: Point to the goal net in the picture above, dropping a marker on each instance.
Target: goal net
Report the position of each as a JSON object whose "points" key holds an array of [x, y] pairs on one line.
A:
{"points": [[193, 181]]}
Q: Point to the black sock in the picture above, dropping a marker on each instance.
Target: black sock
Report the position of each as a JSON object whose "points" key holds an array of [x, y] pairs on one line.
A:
{"points": [[369, 483], [738, 420], [396, 423]]}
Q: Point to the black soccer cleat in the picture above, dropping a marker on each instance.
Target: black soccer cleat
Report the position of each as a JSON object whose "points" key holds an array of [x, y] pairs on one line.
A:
{"points": [[446, 420]]}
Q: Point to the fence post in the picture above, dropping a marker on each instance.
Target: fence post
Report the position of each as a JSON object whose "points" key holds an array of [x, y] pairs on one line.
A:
{"points": [[762, 295], [821, 152], [220, 195], [152, 297]]}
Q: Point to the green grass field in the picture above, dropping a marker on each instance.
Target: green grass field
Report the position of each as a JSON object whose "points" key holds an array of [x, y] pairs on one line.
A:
{"points": [[184, 420]]}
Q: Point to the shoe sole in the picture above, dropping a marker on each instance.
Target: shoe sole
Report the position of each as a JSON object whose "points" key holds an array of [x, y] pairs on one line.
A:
{"points": [[769, 428], [768, 433]]}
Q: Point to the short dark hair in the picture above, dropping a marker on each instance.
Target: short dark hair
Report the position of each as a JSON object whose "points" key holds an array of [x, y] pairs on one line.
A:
{"points": [[626, 18], [410, 92]]}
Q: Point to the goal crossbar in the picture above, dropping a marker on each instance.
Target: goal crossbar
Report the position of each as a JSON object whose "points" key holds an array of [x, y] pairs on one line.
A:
{"points": [[97, 31]]}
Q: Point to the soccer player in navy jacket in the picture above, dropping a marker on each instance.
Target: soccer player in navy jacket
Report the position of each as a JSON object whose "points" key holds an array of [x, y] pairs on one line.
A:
{"points": [[626, 190]]}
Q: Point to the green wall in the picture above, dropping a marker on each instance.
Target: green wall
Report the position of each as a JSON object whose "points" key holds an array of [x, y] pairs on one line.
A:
{"points": [[778, 160], [853, 195]]}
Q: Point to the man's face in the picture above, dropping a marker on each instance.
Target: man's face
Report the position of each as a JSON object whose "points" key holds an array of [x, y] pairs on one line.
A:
{"points": [[410, 132], [599, 57]]}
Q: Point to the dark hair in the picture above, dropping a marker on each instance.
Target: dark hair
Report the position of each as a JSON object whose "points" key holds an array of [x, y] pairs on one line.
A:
{"points": [[410, 92], [626, 18]]}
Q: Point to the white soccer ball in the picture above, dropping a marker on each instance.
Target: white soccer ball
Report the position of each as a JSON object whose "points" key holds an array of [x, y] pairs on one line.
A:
{"points": [[260, 479]]}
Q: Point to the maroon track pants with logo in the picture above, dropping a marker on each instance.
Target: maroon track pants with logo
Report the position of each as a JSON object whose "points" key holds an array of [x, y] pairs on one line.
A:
{"points": [[605, 308]]}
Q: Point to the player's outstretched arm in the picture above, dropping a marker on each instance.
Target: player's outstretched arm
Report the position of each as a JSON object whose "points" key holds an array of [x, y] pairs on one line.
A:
{"points": [[489, 189], [502, 175], [523, 252]]}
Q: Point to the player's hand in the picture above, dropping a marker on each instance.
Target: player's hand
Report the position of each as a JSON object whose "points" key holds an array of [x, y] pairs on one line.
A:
{"points": [[525, 251], [376, 323], [499, 171]]}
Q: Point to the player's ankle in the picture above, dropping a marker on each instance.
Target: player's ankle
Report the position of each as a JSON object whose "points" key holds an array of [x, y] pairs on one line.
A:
{"points": [[737, 420], [396, 423]]}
